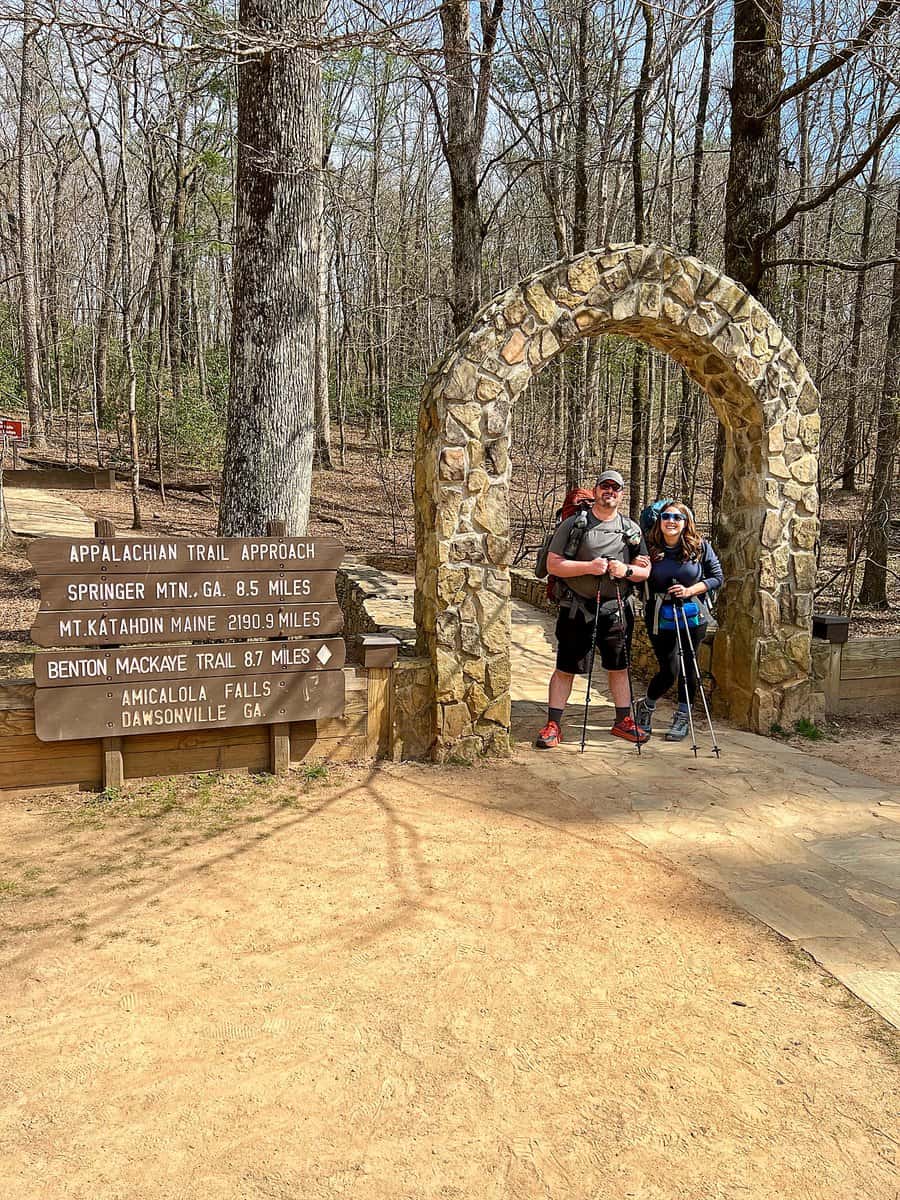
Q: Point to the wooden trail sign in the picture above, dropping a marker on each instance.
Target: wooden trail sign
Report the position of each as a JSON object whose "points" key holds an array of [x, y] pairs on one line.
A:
{"points": [[63, 668], [65, 556], [141, 601], [204, 702]]}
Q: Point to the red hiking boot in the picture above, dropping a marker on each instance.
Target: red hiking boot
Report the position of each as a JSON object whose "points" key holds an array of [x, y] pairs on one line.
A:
{"points": [[549, 737], [627, 729]]}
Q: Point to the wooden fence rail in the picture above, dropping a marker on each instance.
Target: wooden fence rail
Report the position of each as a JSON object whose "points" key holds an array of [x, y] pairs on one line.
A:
{"points": [[861, 676]]}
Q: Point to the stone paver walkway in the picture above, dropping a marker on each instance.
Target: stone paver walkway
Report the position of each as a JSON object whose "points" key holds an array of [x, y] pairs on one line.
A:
{"points": [[808, 847]]}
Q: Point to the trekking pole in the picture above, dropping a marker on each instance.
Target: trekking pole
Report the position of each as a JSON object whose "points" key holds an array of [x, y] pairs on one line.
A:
{"points": [[621, 605], [587, 694], [676, 605], [717, 750]]}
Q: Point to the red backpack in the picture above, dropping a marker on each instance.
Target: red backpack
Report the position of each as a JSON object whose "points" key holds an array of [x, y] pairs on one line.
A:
{"points": [[577, 499]]}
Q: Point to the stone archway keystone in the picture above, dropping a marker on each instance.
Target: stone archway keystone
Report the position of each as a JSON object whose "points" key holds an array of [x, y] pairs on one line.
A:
{"points": [[730, 345]]}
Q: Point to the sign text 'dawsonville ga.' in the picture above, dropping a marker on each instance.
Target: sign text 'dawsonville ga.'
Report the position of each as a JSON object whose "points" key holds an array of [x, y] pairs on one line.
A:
{"points": [[205, 702], [76, 592], [98, 556], [61, 668]]}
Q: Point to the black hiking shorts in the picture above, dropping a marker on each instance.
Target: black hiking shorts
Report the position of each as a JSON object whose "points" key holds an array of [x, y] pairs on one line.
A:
{"points": [[574, 633]]}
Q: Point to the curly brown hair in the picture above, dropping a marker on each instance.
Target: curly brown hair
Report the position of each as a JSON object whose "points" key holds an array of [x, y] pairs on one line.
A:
{"points": [[691, 543]]}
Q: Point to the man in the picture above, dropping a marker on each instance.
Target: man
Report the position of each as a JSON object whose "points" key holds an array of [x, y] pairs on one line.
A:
{"points": [[611, 557]]}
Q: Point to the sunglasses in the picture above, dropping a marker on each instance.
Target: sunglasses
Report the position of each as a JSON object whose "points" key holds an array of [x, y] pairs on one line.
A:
{"points": [[609, 487], [673, 516]]}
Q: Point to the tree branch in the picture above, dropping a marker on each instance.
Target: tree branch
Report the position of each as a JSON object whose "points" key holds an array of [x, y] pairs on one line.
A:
{"points": [[801, 206], [884, 10], [831, 263], [438, 115], [490, 20]]}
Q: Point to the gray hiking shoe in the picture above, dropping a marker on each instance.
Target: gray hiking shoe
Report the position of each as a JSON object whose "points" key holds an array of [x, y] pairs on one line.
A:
{"points": [[644, 714], [679, 729]]}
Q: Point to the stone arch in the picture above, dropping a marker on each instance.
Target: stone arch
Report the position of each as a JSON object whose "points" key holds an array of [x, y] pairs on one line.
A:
{"points": [[730, 345]]}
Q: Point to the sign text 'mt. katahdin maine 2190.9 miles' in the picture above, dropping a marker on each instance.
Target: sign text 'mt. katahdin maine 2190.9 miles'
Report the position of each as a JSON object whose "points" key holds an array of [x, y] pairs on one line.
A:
{"points": [[124, 596]]}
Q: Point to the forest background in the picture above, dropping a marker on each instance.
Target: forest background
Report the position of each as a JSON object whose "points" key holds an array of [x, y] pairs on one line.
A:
{"points": [[457, 148]]}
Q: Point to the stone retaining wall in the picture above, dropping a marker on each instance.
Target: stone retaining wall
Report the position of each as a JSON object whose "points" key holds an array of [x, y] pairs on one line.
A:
{"points": [[643, 661], [375, 602]]}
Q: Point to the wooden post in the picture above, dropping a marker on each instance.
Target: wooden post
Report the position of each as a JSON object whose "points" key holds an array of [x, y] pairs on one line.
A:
{"points": [[113, 762], [379, 654], [279, 735], [378, 716], [833, 677], [280, 748], [833, 628]]}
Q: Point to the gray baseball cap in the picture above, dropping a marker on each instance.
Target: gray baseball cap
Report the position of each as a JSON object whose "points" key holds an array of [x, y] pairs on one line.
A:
{"points": [[610, 476]]}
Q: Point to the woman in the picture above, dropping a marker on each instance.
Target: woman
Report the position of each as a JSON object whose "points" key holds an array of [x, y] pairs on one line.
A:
{"points": [[684, 571]]}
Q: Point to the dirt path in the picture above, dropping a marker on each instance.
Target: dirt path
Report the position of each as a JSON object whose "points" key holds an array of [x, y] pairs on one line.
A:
{"points": [[408, 983]]}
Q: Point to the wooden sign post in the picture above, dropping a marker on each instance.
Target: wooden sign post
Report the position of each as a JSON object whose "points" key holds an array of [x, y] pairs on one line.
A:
{"points": [[113, 762], [169, 631], [279, 734]]}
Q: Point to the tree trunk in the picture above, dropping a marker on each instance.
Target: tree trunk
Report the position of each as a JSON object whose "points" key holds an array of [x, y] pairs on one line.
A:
{"points": [[271, 406], [462, 161], [31, 368], [323, 406], [874, 584], [854, 375], [637, 481], [127, 342], [576, 379], [752, 185], [690, 428], [61, 169], [177, 306]]}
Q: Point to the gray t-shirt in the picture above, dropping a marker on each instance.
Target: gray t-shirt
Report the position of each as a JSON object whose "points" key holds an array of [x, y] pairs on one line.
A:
{"points": [[602, 539]]}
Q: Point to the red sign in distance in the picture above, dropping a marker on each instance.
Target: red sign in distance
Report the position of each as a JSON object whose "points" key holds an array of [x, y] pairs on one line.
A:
{"points": [[9, 427]]}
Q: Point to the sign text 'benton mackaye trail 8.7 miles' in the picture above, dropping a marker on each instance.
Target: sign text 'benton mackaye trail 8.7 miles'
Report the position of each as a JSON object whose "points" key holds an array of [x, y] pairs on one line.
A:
{"points": [[125, 596], [58, 668]]}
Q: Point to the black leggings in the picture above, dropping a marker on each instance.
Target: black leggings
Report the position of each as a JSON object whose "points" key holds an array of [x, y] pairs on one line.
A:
{"points": [[665, 647]]}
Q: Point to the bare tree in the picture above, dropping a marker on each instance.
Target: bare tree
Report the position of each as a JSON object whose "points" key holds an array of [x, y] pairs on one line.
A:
{"points": [[30, 345], [271, 408], [638, 482], [874, 584], [462, 137]]}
